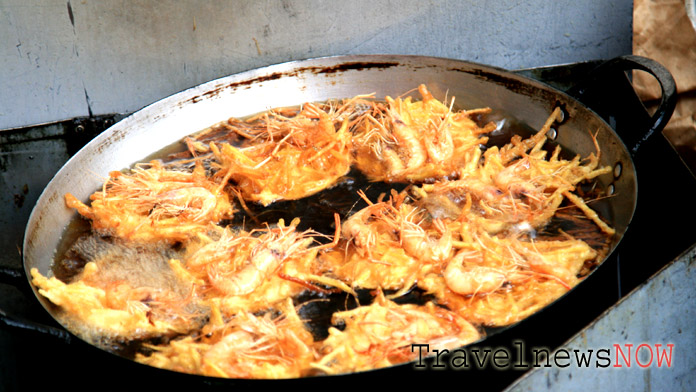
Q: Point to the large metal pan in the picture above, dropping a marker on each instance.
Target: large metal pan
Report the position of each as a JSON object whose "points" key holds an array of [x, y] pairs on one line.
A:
{"points": [[473, 85]]}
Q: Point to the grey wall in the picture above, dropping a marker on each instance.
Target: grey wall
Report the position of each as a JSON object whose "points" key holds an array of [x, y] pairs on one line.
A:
{"points": [[62, 59]]}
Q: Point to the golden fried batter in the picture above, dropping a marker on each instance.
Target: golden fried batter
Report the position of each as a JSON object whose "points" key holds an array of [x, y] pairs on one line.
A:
{"points": [[470, 232], [152, 203], [248, 346], [407, 141], [294, 158], [381, 334]]}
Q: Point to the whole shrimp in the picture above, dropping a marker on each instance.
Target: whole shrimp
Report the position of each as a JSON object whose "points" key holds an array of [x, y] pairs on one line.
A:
{"points": [[420, 244], [267, 346], [381, 334], [472, 279], [409, 143], [152, 203], [438, 141], [195, 203], [362, 228], [293, 158], [413, 141], [269, 252]]}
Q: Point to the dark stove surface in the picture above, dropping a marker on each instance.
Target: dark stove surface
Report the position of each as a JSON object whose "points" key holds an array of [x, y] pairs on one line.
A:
{"points": [[29, 157]]}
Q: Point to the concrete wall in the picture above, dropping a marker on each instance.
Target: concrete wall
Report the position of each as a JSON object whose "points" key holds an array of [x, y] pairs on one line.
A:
{"points": [[62, 59]]}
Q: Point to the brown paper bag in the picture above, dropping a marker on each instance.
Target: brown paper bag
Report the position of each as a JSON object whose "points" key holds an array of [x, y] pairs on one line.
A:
{"points": [[663, 32]]}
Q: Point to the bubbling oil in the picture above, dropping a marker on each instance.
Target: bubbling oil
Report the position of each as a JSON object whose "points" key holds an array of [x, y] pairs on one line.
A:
{"points": [[316, 212]]}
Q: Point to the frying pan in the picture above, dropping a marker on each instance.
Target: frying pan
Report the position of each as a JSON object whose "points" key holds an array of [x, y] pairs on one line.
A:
{"points": [[474, 85]]}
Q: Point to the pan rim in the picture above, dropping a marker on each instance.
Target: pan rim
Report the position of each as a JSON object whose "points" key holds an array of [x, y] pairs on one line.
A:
{"points": [[119, 130]]}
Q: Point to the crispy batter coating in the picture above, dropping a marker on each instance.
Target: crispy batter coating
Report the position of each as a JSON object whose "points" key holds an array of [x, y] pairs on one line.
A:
{"points": [[469, 233], [411, 141], [514, 191], [292, 158], [251, 271], [119, 311], [388, 245], [381, 334], [153, 203], [248, 346], [496, 281]]}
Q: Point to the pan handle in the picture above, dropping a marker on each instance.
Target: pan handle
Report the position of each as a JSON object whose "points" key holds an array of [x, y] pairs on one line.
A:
{"points": [[23, 325], [605, 88], [16, 278], [11, 276]]}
